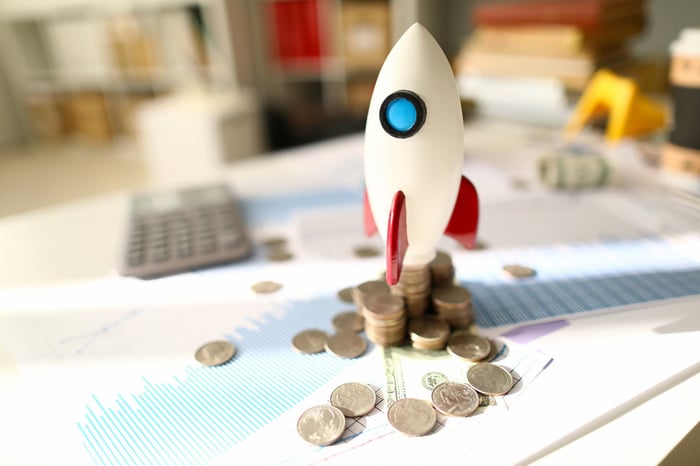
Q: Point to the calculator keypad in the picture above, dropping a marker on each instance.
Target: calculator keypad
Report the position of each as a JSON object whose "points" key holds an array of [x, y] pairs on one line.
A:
{"points": [[191, 236]]}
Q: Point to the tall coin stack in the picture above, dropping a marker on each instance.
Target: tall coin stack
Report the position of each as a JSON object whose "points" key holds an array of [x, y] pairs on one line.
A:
{"points": [[442, 272], [414, 286], [454, 304], [364, 290], [385, 319]]}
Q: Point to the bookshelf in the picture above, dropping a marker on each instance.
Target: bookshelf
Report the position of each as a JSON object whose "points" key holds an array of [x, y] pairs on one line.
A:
{"points": [[78, 69], [315, 63], [101, 59]]}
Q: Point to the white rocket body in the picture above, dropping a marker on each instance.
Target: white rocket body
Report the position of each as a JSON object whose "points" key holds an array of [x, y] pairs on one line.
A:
{"points": [[427, 166]]}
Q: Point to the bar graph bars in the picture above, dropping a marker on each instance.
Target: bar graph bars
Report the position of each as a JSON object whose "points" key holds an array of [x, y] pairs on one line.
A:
{"points": [[204, 411]]}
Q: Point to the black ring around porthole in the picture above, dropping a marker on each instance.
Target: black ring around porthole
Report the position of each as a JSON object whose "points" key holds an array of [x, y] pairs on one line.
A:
{"points": [[402, 114]]}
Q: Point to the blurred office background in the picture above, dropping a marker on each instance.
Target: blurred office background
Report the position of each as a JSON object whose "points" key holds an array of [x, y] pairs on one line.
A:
{"points": [[98, 95]]}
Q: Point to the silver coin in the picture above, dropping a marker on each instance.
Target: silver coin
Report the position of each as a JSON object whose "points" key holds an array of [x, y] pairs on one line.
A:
{"points": [[349, 320], [310, 341], [321, 425], [451, 294], [346, 345], [412, 416], [384, 306], [372, 287], [215, 353], [266, 287], [429, 332], [429, 326], [279, 255], [366, 251], [455, 399], [489, 379], [480, 245], [345, 295], [274, 241], [354, 399], [467, 346], [519, 271]]}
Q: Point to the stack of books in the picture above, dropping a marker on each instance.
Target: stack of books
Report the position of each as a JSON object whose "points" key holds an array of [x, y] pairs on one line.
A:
{"points": [[543, 52]]}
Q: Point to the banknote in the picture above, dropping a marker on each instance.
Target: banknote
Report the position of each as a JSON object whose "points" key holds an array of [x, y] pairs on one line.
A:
{"points": [[413, 373]]}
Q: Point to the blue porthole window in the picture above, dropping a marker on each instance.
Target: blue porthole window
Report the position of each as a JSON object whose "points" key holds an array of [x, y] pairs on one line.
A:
{"points": [[402, 114]]}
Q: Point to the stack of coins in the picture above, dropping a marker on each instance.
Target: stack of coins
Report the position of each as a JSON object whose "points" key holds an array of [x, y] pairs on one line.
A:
{"points": [[365, 290], [454, 304], [429, 332], [442, 272], [414, 287], [276, 249], [385, 319]]}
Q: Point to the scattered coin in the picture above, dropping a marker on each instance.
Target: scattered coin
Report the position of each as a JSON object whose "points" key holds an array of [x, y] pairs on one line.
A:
{"points": [[366, 251], [412, 416], [346, 345], [521, 184], [480, 245], [266, 287], [279, 255], [345, 295], [215, 353], [349, 320], [495, 349], [467, 346], [354, 399], [489, 379], [455, 399], [518, 271], [310, 341], [274, 241], [321, 425]]}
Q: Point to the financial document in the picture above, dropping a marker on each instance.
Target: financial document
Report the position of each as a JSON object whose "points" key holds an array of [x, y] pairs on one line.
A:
{"points": [[103, 371], [410, 374]]}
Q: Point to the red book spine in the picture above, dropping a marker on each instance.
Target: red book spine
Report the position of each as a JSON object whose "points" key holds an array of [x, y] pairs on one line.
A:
{"points": [[295, 38]]}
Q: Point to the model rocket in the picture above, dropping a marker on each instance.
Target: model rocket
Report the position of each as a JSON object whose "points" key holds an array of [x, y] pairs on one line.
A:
{"points": [[414, 153]]}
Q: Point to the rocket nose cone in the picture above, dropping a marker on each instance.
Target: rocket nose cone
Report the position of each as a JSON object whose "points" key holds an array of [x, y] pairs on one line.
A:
{"points": [[414, 36], [416, 28], [416, 66]]}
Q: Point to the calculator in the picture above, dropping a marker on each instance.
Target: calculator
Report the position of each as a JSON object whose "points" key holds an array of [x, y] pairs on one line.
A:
{"points": [[183, 229]]}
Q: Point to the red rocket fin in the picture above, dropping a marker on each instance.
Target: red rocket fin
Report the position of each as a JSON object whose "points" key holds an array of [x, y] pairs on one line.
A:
{"points": [[370, 226], [465, 215], [396, 238]]}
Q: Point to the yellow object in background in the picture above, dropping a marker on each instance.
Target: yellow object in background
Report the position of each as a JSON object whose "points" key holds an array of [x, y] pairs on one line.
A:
{"points": [[629, 112]]}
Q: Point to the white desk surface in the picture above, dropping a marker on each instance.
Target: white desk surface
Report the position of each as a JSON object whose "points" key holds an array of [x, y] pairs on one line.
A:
{"points": [[80, 241]]}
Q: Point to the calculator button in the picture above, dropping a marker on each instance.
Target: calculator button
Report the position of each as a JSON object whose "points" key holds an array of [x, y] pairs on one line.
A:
{"points": [[229, 239], [184, 251], [197, 230], [135, 259], [160, 255], [207, 246]]}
